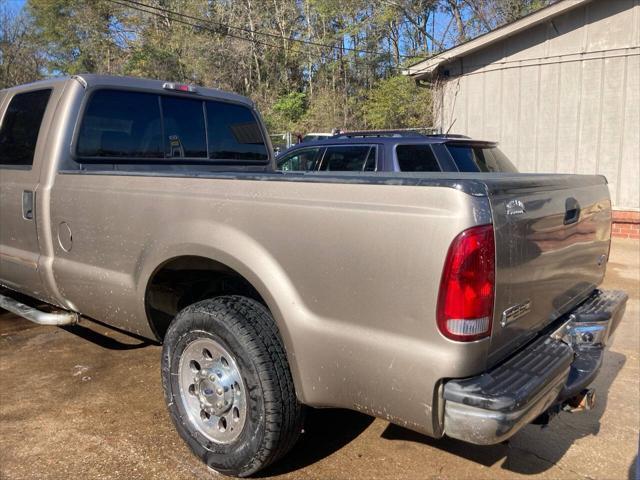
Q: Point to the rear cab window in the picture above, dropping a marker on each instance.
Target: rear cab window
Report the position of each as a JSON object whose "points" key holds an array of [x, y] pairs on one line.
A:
{"points": [[234, 133], [185, 134], [20, 128], [121, 125], [128, 127], [480, 158]]}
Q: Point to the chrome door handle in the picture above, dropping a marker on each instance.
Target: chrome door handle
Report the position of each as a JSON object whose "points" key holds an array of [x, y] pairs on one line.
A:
{"points": [[27, 204]]}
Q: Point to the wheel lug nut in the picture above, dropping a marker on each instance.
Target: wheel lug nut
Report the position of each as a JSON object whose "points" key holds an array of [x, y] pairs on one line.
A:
{"points": [[219, 391], [219, 404], [212, 378]]}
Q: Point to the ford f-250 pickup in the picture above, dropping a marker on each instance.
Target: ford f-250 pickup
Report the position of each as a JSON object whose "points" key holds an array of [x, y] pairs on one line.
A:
{"points": [[459, 304]]}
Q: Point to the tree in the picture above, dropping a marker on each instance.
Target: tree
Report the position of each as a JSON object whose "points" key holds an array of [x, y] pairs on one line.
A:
{"points": [[79, 36], [397, 102], [21, 58], [290, 109]]}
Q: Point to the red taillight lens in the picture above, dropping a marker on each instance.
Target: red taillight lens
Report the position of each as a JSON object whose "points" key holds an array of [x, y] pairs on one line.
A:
{"points": [[465, 300]]}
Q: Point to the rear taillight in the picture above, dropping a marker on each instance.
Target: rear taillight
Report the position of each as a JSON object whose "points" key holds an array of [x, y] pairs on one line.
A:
{"points": [[465, 300]]}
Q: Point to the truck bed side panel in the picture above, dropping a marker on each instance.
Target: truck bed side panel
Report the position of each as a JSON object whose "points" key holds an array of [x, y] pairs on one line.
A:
{"points": [[350, 272]]}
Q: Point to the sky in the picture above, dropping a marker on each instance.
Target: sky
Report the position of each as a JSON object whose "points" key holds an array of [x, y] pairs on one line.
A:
{"points": [[17, 4]]}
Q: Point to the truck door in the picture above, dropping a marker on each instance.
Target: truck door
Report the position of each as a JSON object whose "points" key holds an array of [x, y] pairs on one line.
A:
{"points": [[20, 164]]}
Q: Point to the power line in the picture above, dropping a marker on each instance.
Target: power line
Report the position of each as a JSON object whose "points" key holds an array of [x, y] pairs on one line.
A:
{"points": [[184, 22], [204, 27], [155, 10], [257, 32]]}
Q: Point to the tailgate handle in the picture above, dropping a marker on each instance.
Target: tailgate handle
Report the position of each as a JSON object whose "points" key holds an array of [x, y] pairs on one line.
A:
{"points": [[572, 211]]}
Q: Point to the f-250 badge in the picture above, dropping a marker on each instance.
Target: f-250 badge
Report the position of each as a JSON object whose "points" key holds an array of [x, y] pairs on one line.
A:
{"points": [[515, 207]]}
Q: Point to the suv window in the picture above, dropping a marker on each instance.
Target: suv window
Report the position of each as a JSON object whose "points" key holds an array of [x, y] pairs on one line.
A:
{"points": [[126, 127], [21, 126], [349, 158], [300, 160], [416, 158], [121, 124], [234, 133], [470, 158]]}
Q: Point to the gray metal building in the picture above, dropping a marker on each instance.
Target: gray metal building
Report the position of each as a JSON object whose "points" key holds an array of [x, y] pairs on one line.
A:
{"points": [[559, 89]]}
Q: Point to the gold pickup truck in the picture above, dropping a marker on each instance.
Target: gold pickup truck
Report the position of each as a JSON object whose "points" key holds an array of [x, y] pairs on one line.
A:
{"points": [[450, 303]]}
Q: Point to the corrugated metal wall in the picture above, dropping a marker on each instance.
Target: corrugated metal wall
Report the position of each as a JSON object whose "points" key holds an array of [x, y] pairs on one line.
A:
{"points": [[560, 97]]}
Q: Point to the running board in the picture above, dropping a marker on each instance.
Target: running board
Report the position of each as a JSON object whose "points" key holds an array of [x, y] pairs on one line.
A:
{"points": [[38, 316]]}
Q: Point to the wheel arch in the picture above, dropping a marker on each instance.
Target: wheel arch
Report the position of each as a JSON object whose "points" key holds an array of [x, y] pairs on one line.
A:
{"points": [[244, 259]]}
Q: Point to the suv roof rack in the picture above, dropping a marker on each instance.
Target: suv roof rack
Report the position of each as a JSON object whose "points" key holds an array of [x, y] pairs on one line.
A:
{"points": [[401, 132], [380, 133], [447, 135]]}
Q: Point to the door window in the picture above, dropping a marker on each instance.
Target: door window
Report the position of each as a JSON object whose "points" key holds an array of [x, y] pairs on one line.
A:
{"points": [[21, 126], [300, 160], [348, 158]]}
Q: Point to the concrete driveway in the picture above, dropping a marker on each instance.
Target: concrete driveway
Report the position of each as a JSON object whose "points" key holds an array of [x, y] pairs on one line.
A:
{"points": [[73, 408]]}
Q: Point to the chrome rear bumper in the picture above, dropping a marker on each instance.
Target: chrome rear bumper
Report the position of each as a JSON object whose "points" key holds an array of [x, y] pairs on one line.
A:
{"points": [[492, 407]]}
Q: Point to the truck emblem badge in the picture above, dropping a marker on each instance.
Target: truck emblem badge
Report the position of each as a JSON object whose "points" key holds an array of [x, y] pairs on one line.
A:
{"points": [[515, 207], [512, 314]]}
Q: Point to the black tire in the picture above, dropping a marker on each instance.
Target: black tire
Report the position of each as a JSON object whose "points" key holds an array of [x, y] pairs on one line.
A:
{"points": [[274, 415]]}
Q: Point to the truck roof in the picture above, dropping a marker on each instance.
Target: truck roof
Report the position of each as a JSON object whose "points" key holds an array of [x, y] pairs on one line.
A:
{"points": [[107, 81]]}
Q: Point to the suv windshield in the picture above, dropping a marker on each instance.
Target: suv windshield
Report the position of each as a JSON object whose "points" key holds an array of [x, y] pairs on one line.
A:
{"points": [[480, 158]]}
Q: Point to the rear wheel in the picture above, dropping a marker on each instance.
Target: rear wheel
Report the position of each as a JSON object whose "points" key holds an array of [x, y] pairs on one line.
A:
{"points": [[228, 386]]}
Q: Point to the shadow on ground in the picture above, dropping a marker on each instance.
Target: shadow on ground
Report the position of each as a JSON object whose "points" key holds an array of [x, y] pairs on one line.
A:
{"points": [[634, 469], [326, 431], [98, 333], [105, 341]]}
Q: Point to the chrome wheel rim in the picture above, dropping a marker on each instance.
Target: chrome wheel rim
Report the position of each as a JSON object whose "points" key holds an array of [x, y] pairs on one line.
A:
{"points": [[212, 390]]}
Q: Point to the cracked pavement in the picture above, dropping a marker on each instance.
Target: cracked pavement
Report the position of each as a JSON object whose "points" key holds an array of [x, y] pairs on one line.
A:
{"points": [[73, 408]]}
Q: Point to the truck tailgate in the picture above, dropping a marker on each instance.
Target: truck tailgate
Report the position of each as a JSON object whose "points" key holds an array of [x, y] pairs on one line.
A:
{"points": [[552, 236]]}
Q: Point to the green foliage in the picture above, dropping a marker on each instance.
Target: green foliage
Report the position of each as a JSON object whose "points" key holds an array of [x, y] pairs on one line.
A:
{"points": [[291, 107], [324, 113], [397, 102], [77, 36], [151, 61]]}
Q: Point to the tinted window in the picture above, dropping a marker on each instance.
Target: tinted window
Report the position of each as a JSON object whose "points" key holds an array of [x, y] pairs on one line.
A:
{"points": [[471, 158], [20, 127], [234, 133], [416, 158], [300, 160], [346, 158], [184, 132], [121, 124], [370, 164]]}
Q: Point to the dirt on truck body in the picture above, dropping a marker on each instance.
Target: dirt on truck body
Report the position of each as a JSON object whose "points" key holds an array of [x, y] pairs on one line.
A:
{"points": [[451, 303]]}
